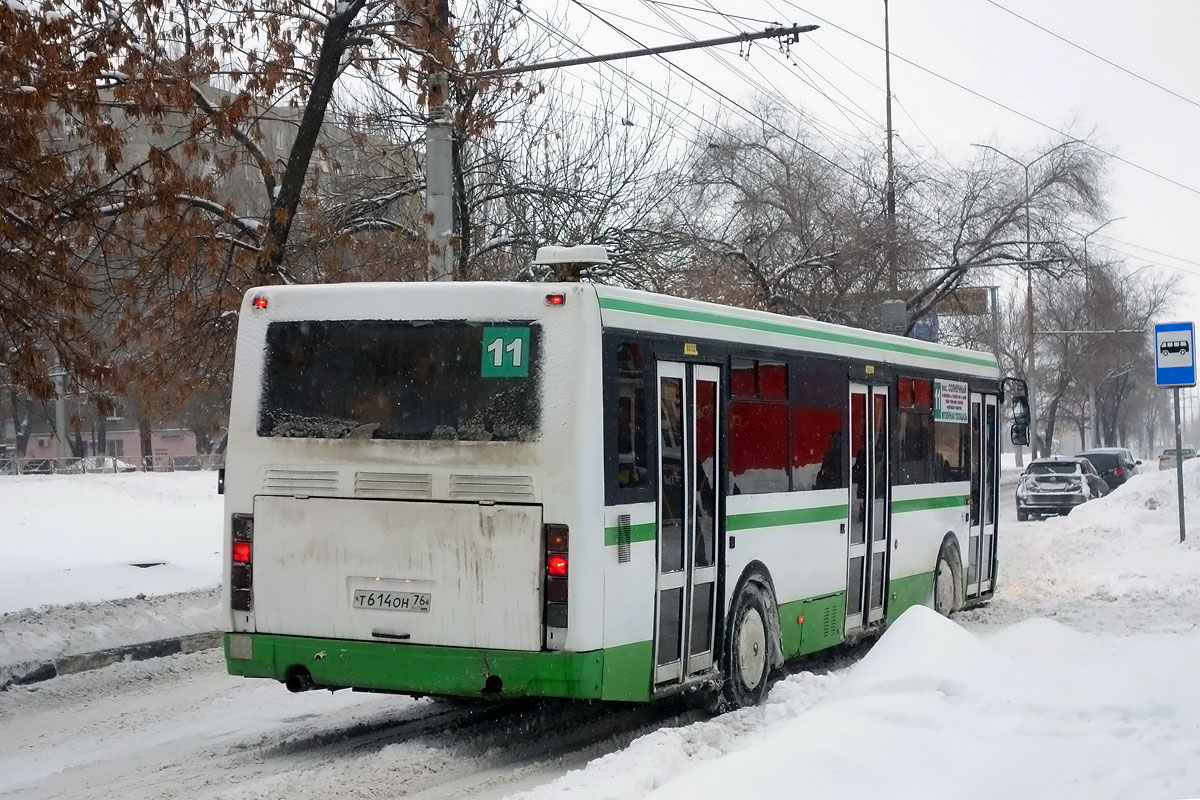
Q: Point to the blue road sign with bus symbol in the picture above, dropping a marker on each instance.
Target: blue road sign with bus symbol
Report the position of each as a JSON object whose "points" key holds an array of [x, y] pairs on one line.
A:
{"points": [[1175, 354]]}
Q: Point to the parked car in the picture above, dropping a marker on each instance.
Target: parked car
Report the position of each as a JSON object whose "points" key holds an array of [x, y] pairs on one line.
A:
{"points": [[1055, 485], [99, 464], [1167, 459], [1115, 464]]}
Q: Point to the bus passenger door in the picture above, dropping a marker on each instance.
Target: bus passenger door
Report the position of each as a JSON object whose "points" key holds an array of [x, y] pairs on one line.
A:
{"points": [[981, 558], [869, 508], [689, 488]]}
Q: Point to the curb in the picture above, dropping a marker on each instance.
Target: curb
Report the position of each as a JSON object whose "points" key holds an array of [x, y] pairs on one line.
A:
{"points": [[38, 671]]}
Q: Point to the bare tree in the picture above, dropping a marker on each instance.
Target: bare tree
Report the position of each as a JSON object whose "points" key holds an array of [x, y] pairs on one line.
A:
{"points": [[791, 229], [980, 217]]}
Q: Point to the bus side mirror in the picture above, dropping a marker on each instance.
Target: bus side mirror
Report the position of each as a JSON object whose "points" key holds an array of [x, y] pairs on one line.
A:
{"points": [[1019, 432], [1020, 410]]}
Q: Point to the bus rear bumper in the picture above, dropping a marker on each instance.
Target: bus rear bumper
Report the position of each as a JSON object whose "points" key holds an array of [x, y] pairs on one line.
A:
{"points": [[418, 669]]}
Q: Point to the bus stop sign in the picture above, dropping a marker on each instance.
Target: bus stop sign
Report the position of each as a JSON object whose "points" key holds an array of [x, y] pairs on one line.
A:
{"points": [[1175, 354]]}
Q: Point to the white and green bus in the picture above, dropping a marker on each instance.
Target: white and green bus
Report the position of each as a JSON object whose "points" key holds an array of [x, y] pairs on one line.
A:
{"points": [[581, 491]]}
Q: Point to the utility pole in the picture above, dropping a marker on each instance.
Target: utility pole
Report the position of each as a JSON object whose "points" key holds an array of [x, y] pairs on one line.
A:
{"points": [[439, 150], [60, 412], [1030, 373], [893, 271]]}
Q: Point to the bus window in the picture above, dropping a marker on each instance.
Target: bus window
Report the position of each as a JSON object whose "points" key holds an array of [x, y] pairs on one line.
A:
{"points": [[758, 427], [915, 403], [632, 469], [817, 435], [387, 379], [950, 451]]}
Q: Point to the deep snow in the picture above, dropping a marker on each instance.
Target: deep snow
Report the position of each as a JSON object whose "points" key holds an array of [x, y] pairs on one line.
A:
{"points": [[1012, 705]]}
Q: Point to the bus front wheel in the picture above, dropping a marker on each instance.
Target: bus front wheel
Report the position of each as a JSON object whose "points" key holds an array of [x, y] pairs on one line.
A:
{"points": [[747, 659]]}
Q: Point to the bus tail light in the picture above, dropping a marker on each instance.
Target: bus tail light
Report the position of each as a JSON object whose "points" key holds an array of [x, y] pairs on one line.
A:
{"points": [[241, 570], [555, 581]]}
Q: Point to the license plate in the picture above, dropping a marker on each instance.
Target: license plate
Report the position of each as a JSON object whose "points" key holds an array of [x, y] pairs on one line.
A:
{"points": [[392, 601]]}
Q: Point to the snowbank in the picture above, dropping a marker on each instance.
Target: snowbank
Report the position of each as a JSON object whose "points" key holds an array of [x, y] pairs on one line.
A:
{"points": [[1113, 564], [1106, 708], [1036, 710], [51, 632]]}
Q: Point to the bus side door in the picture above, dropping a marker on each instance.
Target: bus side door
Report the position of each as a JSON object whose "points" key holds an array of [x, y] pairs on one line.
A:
{"points": [[689, 482]]}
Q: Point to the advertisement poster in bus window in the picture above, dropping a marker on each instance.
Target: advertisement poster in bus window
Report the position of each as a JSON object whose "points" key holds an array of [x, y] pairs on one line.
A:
{"points": [[950, 401], [505, 353]]}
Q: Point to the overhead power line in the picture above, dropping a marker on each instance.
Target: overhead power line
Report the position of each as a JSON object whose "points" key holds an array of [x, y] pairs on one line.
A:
{"points": [[817, 153], [766, 89], [1096, 55], [712, 11], [1006, 107]]}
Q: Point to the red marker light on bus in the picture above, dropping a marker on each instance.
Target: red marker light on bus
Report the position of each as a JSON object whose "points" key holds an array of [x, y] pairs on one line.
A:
{"points": [[557, 566], [241, 552], [260, 302], [556, 299]]}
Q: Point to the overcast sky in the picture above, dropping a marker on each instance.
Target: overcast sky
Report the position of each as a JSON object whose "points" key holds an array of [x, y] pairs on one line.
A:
{"points": [[979, 44]]}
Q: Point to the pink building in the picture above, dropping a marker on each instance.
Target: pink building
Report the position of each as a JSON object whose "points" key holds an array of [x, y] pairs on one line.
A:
{"points": [[169, 442]]}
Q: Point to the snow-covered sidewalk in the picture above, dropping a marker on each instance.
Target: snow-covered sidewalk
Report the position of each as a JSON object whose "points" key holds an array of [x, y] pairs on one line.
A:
{"points": [[70, 582]]}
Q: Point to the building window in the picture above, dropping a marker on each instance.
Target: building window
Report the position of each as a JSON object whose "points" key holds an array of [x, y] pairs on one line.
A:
{"points": [[914, 398], [758, 427], [632, 468]]}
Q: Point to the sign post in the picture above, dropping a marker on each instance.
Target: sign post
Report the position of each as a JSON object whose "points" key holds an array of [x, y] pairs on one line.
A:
{"points": [[1175, 366]]}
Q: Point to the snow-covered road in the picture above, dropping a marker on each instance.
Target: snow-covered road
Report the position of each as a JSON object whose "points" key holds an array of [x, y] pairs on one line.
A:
{"points": [[180, 727]]}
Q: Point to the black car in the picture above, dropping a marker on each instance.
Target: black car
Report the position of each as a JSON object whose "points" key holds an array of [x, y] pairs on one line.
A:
{"points": [[1115, 464], [1055, 485]]}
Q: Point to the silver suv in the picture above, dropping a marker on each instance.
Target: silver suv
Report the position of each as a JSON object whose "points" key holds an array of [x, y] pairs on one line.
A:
{"points": [[1055, 485]]}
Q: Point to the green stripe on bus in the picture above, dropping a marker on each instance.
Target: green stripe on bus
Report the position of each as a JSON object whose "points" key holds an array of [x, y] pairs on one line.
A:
{"points": [[788, 516], [929, 503], [455, 671], [712, 317], [642, 532]]}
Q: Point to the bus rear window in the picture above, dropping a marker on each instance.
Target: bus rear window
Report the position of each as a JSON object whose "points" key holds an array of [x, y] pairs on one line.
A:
{"points": [[383, 379]]}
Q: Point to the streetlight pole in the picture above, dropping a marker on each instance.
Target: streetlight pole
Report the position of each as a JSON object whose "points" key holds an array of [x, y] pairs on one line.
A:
{"points": [[1028, 266], [58, 374], [1092, 428]]}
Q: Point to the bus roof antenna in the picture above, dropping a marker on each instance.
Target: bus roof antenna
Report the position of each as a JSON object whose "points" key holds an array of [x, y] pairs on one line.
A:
{"points": [[568, 262]]}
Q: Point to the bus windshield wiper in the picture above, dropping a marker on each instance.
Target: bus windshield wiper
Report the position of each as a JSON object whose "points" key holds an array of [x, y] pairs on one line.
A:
{"points": [[364, 431]]}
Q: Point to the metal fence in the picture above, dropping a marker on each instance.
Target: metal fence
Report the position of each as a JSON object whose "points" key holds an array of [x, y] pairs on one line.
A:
{"points": [[94, 465]]}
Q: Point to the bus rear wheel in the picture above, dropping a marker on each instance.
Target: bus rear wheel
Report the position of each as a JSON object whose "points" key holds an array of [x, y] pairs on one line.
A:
{"points": [[747, 659], [945, 583]]}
